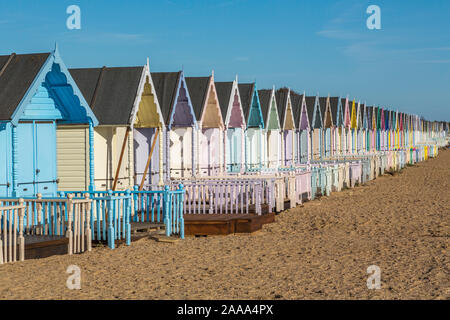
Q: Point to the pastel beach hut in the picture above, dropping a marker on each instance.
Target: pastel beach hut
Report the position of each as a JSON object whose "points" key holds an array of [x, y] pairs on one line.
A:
{"points": [[388, 128], [410, 131], [254, 133], [38, 98], [346, 104], [387, 135], [369, 132], [362, 127], [180, 124], [315, 125], [288, 139], [234, 121], [377, 127], [400, 137], [123, 99], [272, 126], [302, 124], [209, 157], [383, 132], [374, 128], [325, 108], [354, 126], [338, 125]]}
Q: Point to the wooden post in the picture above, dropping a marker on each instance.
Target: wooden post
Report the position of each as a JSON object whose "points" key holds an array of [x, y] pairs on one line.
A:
{"points": [[69, 233], [141, 186], [41, 224], [88, 222], [125, 139]]}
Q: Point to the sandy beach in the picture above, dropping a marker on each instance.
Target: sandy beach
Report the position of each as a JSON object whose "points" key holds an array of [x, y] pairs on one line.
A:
{"points": [[319, 251]]}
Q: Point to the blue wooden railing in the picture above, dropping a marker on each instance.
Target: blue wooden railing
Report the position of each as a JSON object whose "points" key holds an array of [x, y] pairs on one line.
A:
{"points": [[156, 206], [109, 216]]}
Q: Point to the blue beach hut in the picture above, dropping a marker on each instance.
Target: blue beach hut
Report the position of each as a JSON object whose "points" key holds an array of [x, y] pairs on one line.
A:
{"points": [[37, 93]]}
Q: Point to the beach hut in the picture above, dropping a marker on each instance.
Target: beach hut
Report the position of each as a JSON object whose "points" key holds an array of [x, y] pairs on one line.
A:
{"points": [[376, 127], [180, 124], [38, 96], [124, 101], [288, 144], [338, 125], [354, 126], [202, 92], [399, 141], [346, 104], [369, 132], [254, 133], [302, 123], [327, 138], [315, 124], [389, 129], [234, 120], [362, 127], [410, 135], [381, 128], [272, 126]]}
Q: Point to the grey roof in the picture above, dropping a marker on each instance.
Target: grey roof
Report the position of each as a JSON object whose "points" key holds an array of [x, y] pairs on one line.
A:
{"points": [[323, 107], [264, 99], [223, 90], [334, 103], [361, 113], [369, 113], [15, 79], [110, 92], [166, 86], [343, 100], [282, 98], [246, 93], [198, 91], [310, 102], [296, 100]]}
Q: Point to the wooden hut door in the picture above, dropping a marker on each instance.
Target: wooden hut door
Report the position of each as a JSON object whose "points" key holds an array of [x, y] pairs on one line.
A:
{"points": [[288, 147], [45, 158], [303, 146], [37, 158], [26, 155], [143, 139], [5, 183]]}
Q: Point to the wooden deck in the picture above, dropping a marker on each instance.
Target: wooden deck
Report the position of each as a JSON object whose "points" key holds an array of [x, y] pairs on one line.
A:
{"points": [[224, 224], [37, 247]]}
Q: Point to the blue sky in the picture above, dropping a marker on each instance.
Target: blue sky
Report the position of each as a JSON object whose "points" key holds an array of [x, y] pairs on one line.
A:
{"points": [[314, 46]]}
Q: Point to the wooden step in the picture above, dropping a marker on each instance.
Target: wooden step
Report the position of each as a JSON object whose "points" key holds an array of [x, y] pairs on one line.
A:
{"points": [[146, 226]]}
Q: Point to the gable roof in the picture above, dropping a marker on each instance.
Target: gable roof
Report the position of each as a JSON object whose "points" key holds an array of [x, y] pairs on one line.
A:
{"points": [[369, 115], [264, 100], [282, 95], [166, 86], [22, 75], [334, 105], [310, 103], [296, 101], [17, 73], [110, 92], [223, 90], [198, 91], [246, 93], [361, 114], [323, 107]]}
